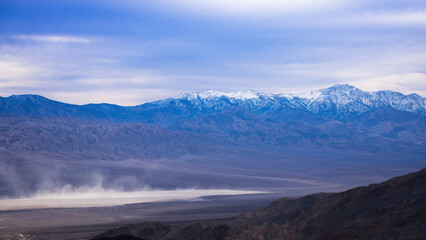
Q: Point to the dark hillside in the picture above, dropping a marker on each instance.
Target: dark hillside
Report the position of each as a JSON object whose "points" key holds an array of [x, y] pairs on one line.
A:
{"points": [[395, 209]]}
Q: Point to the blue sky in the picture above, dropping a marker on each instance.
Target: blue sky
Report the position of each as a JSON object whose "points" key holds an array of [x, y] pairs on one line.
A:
{"points": [[129, 52]]}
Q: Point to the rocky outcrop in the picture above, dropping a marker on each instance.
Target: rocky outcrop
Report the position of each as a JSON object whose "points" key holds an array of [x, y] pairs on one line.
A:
{"points": [[145, 230]]}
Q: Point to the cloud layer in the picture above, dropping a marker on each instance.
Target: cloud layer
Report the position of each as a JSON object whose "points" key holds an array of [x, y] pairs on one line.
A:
{"points": [[130, 52], [53, 38], [249, 8]]}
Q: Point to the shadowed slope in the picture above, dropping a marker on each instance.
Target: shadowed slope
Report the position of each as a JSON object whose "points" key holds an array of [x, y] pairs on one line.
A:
{"points": [[96, 139], [394, 209]]}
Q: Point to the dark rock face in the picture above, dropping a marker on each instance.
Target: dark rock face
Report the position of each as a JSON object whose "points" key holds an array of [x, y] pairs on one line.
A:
{"points": [[121, 237], [157, 230], [201, 231], [145, 230], [266, 230], [395, 209]]}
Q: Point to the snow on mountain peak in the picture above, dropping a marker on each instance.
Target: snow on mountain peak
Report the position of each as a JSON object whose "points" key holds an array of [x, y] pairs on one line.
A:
{"points": [[243, 94], [337, 99], [306, 95], [337, 89], [239, 95], [342, 86], [251, 94]]}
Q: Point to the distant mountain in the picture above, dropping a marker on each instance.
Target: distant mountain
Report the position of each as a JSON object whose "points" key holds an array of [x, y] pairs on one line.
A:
{"points": [[255, 139], [337, 102], [394, 209], [341, 116], [34, 105]]}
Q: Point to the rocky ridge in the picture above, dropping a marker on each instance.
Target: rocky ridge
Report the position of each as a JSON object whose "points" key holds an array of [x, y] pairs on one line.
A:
{"points": [[394, 209]]}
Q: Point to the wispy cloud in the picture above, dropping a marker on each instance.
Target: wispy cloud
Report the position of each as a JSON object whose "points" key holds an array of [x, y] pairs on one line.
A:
{"points": [[80, 74], [398, 68], [405, 82], [249, 8], [53, 38], [412, 17], [10, 70]]}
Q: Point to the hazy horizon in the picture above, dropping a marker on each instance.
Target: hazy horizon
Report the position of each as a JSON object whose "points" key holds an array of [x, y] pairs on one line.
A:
{"points": [[226, 93]]}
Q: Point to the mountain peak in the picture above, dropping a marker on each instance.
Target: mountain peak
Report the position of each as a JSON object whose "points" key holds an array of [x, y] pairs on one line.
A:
{"points": [[31, 97], [240, 95], [311, 95], [338, 101], [342, 86]]}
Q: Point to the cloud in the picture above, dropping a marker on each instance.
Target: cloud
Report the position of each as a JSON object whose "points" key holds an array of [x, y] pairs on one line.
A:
{"points": [[171, 49], [398, 68], [53, 38], [121, 96], [245, 8], [17, 74], [391, 18], [292, 13], [82, 74], [406, 83]]}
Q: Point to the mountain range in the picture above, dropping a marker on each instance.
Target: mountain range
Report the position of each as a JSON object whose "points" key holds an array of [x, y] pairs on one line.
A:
{"points": [[249, 138], [339, 102], [341, 116]]}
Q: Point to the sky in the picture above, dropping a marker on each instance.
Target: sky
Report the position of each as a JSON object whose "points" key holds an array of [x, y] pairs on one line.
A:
{"points": [[129, 52]]}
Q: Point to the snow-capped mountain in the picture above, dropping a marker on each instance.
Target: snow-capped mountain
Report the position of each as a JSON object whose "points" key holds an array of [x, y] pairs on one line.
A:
{"points": [[339, 119], [348, 99], [236, 129], [339, 101], [210, 94]]}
